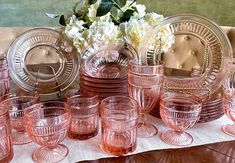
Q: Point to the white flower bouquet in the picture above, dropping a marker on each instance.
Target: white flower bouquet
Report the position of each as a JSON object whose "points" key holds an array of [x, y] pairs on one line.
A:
{"points": [[95, 23]]}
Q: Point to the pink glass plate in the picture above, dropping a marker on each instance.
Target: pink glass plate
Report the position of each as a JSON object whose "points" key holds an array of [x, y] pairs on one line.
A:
{"points": [[214, 55]]}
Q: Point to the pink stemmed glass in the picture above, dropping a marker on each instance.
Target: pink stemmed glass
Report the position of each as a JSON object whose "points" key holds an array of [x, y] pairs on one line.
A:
{"points": [[16, 106], [179, 112], [144, 85], [228, 104], [47, 124]]}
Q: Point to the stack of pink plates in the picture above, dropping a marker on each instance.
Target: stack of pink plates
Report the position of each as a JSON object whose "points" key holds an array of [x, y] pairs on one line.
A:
{"points": [[211, 109], [103, 87]]}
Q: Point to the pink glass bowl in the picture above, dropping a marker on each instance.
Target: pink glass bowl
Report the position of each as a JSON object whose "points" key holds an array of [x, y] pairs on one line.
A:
{"points": [[47, 124], [108, 61], [179, 112]]}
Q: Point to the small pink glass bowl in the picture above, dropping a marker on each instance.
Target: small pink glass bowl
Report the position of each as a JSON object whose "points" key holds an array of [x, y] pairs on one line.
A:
{"points": [[47, 124], [109, 61], [85, 116], [179, 112], [119, 117]]}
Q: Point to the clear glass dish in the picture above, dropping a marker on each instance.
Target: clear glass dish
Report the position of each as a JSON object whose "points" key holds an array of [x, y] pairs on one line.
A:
{"points": [[42, 59]]}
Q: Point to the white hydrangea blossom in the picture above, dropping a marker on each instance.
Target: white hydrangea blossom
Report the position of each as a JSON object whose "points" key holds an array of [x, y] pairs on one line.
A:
{"points": [[74, 27], [153, 18], [133, 31], [99, 31], [102, 32], [140, 11], [165, 37]]}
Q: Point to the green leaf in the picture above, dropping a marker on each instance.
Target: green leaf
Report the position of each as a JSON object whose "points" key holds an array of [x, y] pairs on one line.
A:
{"points": [[90, 2], [104, 7], [127, 14], [52, 15], [62, 20], [114, 15], [120, 3]]}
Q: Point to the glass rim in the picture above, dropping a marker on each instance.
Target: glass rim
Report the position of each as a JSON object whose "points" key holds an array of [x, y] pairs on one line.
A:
{"points": [[116, 98], [135, 63], [7, 100], [34, 107], [169, 96]]}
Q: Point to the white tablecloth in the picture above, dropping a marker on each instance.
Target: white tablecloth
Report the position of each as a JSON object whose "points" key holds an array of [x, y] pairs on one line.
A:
{"points": [[204, 133]]}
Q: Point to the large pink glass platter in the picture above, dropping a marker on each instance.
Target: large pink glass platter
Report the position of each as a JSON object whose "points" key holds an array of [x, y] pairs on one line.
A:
{"points": [[43, 59], [199, 44]]}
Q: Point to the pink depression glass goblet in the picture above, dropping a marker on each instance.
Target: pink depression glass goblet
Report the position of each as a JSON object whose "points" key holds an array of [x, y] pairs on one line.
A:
{"points": [[144, 85], [179, 112], [16, 106], [47, 124], [228, 104]]}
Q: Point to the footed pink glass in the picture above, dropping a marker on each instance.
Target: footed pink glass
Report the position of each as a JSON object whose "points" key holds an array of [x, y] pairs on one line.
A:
{"points": [[16, 106], [119, 117], [47, 124], [85, 116], [179, 112], [228, 104], [144, 85]]}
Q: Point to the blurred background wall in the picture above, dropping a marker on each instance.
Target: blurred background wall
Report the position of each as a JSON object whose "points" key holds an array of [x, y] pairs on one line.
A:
{"points": [[30, 12]]}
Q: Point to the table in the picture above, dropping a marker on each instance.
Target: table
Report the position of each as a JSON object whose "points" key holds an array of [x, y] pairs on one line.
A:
{"points": [[223, 152]]}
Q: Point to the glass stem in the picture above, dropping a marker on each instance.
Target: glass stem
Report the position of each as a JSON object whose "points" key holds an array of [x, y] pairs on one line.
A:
{"points": [[143, 118]]}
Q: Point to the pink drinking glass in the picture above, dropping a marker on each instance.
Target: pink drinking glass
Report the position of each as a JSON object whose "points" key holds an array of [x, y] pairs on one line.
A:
{"points": [[6, 148], [47, 124], [145, 83], [16, 106], [85, 116], [179, 112], [228, 104], [119, 117]]}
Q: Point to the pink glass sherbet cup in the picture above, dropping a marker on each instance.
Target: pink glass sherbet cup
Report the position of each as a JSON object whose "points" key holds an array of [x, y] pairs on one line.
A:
{"points": [[47, 124], [179, 112]]}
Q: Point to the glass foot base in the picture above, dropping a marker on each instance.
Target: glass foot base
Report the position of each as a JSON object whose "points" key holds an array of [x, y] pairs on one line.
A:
{"points": [[44, 154], [176, 138], [229, 129], [20, 138], [146, 130]]}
